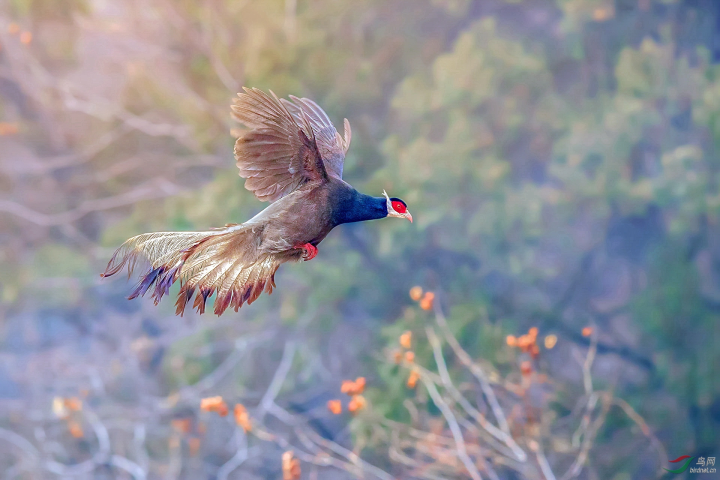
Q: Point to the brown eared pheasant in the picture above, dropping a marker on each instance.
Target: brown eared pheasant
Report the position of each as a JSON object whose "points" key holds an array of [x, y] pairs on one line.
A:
{"points": [[290, 155]]}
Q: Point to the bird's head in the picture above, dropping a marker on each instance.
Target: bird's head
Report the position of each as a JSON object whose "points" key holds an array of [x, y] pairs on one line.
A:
{"points": [[397, 208]]}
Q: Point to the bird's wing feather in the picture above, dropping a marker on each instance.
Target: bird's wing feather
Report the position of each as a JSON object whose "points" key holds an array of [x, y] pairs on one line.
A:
{"points": [[331, 145], [279, 153], [226, 261]]}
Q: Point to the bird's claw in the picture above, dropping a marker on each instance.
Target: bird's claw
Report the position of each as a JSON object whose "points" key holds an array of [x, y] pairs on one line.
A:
{"points": [[310, 251]]}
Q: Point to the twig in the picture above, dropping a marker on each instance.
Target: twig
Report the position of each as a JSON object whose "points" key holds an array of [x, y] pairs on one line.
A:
{"points": [[463, 402], [640, 421], [240, 456], [587, 429], [454, 427], [542, 461], [351, 456], [588, 385], [278, 379], [152, 190], [479, 374], [20, 442], [129, 466], [588, 439]]}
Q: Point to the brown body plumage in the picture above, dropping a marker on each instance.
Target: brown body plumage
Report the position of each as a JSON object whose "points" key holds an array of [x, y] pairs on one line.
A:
{"points": [[291, 156]]}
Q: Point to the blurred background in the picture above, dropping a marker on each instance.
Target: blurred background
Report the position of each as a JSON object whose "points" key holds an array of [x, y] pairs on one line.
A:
{"points": [[560, 158]]}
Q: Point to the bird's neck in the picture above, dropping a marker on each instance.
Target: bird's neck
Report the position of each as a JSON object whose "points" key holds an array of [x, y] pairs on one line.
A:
{"points": [[358, 207]]}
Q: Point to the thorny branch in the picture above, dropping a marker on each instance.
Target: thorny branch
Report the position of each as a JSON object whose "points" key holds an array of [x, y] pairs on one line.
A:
{"points": [[519, 444], [454, 428], [466, 444], [478, 372]]}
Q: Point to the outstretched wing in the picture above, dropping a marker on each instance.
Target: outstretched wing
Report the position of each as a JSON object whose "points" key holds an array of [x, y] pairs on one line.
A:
{"points": [[278, 154], [332, 146], [225, 262]]}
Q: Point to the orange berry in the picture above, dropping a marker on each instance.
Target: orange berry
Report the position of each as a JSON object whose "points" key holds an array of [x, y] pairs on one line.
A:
{"points": [[242, 418], [587, 331], [353, 388], [410, 356], [76, 429], [406, 339], [511, 341], [210, 403], [416, 293], [26, 37], [214, 404], [357, 403], [360, 385], [526, 367], [412, 379], [74, 404], [347, 386], [533, 332], [534, 351], [335, 407], [427, 301], [181, 424], [290, 466]]}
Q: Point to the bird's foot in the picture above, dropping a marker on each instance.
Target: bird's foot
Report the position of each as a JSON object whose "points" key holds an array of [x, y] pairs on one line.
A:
{"points": [[310, 251]]}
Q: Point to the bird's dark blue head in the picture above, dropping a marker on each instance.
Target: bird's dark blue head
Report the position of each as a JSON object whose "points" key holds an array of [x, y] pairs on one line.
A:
{"points": [[358, 207]]}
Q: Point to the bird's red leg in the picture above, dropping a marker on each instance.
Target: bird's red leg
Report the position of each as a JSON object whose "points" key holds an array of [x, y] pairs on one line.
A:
{"points": [[310, 251]]}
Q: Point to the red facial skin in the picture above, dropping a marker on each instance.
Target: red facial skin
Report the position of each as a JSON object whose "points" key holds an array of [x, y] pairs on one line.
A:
{"points": [[398, 207]]}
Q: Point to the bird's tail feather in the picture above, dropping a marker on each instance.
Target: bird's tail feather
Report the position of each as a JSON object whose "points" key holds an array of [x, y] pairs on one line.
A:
{"points": [[225, 261]]}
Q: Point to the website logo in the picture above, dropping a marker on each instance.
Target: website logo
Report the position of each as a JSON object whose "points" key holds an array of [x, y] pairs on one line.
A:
{"points": [[702, 465]]}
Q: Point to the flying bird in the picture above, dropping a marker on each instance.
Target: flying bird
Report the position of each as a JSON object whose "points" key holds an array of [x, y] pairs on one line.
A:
{"points": [[292, 156]]}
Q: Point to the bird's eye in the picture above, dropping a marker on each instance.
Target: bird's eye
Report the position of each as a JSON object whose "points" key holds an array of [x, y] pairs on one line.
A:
{"points": [[399, 207]]}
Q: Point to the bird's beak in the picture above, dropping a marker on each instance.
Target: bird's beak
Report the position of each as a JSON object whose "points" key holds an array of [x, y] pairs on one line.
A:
{"points": [[408, 216]]}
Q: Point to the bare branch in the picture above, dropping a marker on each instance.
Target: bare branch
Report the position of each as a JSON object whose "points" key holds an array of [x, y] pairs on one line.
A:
{"points": [[479, 374], [152, 190], [240, 456], [278, 379], [454, 427]]}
